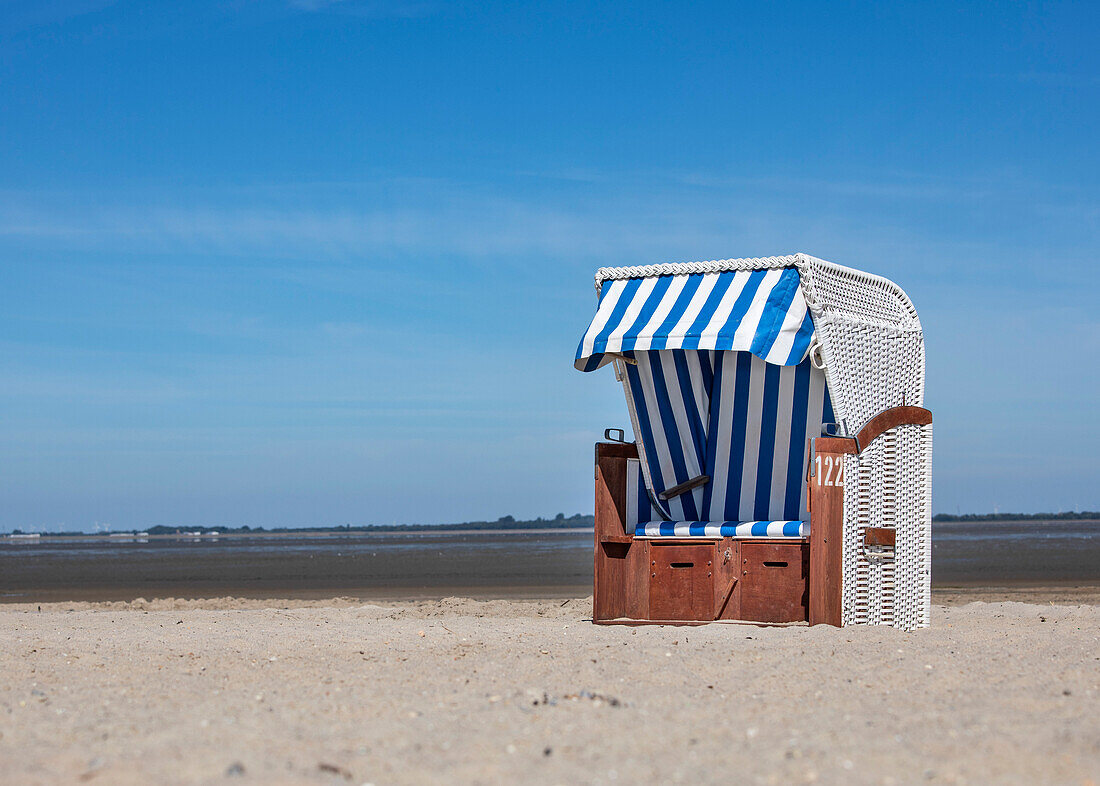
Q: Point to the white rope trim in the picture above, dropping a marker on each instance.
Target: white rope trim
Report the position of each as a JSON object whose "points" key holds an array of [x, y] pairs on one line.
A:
{"points": [[689, 268]]}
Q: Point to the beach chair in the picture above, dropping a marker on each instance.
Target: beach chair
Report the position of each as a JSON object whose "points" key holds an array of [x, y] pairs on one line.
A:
{"points": [[781, 469]]}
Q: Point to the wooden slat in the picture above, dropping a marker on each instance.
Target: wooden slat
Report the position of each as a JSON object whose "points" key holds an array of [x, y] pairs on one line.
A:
{"points": [[835, 445], [727, 575], [620, 563], [826, 528]]}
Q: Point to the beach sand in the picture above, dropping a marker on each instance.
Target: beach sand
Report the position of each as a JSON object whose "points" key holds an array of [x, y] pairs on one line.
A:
{"points": [[465, 691]]}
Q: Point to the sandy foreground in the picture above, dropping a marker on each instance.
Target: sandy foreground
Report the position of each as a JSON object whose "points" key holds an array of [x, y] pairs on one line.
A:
{"points": [[462, 691]]}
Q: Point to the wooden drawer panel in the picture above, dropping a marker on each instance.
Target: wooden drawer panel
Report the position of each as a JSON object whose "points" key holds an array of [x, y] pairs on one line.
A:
{"points": [[774, 581], [681, 583]]}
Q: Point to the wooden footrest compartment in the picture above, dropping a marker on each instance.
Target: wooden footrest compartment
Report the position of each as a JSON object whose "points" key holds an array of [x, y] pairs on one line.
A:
{"points": [[754, 581], [681, 581], [774, 581]]}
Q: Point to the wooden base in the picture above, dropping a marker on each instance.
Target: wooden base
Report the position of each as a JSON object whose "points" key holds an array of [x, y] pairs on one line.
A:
{"points": [[697, 623], [704, 580], [688, 580]]}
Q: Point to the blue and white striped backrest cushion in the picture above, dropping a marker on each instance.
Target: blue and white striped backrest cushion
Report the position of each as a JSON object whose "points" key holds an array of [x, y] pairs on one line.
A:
{"points": [[670, 394], [734, 417], [761, 416]]}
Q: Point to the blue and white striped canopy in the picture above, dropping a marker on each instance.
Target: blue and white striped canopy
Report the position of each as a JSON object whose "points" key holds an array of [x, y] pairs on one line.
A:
{"points": [[757, 311]]}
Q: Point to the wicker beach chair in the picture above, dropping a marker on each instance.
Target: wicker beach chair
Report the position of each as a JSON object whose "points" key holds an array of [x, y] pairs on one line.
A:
{"points": [[782, 465]]}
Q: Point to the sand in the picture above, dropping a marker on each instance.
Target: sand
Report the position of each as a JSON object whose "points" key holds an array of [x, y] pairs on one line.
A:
{"points": [[463, 691]]}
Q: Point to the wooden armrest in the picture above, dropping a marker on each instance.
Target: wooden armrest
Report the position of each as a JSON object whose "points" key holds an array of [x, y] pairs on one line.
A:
{"points": [[876, 427], [616, 539], [627, 450], [611, 477], [892, 418]]}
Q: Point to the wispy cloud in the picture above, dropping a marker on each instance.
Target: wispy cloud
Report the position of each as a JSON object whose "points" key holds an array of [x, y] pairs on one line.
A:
{"points": [[1048, 79], [437, 219], [908, 220], [24, 14], [313, 349], [373, 9]]}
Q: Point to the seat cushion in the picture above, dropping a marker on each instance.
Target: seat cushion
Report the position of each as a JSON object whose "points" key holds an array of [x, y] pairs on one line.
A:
{"points": [[722, 529]]}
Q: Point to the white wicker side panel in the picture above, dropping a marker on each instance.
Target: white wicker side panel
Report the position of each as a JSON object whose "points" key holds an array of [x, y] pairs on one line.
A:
{"points": [[913, 552], [871, 368], [889, 485], [922, 589], [869, 500], [855, 593], [873, 350]]}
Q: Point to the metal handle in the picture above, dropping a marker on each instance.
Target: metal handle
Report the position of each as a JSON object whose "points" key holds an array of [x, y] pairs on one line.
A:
{"points": [[870, 555], [817, 359]]}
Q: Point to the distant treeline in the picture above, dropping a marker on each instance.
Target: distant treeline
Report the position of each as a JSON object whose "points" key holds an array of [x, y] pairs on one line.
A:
{"points": [[1084, 515], [561, 521]]}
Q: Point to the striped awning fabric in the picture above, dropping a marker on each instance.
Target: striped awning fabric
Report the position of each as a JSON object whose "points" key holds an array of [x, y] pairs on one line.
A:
{"points": [[757, 311]]}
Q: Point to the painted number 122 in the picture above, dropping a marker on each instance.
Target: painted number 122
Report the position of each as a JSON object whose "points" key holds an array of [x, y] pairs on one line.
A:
{"points": [[826, 478]]}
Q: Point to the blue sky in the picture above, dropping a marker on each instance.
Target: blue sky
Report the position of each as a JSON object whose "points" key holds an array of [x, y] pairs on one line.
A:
{"points": [[294, 263]]}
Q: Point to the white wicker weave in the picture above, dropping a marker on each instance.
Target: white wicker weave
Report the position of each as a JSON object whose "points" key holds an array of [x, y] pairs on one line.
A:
{"points": [[872, 347]]}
